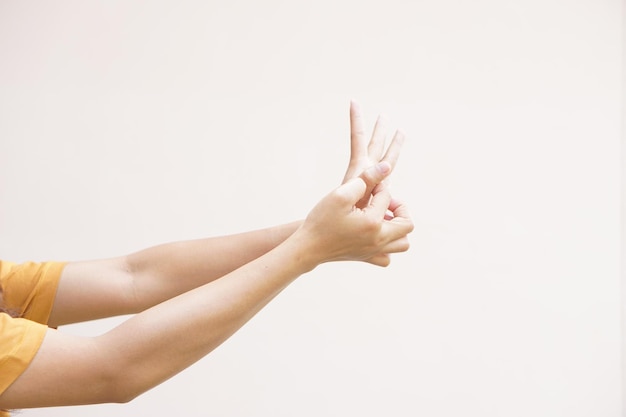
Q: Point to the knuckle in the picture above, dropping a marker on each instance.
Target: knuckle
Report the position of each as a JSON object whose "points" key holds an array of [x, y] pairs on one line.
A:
{"points": [[342, 196]]}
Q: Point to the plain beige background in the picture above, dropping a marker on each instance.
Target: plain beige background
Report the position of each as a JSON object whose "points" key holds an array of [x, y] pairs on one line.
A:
{"points": [[125, 124]]}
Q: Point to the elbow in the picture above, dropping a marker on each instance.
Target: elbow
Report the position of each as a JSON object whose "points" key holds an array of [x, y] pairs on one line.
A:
{"points": [[124, 385], [110, 388], [117, 381], [119, 390], [123, 398]]}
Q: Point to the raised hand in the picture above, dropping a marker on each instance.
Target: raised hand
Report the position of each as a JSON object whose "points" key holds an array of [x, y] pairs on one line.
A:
{"points": [[364, 154]]}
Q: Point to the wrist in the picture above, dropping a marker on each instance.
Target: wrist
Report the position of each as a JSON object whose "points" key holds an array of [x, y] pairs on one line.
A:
{"points": [[303, 251], [279, 234]]}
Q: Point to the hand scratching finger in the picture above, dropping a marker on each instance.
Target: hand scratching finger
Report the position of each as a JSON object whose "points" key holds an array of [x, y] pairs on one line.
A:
{"points": [[375, 174]]}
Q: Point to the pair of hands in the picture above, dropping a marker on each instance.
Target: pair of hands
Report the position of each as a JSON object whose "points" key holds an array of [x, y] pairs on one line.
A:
{"points": [[360, 220]]}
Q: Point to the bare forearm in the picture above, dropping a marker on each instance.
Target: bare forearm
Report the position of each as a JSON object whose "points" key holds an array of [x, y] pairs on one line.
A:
{"points": [[91, 290], [157, 343], [164, 271], [173, 335], [163, 340]]}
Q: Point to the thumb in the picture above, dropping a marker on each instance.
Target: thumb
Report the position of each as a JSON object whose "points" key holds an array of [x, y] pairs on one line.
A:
{"points": [[352, 191], [375, 174]]}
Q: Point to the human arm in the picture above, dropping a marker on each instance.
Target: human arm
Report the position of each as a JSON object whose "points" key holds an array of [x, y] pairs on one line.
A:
{"points": [[154, 345], [129, 284]]}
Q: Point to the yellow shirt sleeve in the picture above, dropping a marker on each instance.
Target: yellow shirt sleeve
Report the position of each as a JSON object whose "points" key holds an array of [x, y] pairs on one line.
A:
{"points": [[19, 341], [29, 289]]}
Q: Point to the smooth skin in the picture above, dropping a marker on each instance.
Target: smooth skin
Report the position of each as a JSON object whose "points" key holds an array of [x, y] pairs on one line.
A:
{"points": [[191, 296]]}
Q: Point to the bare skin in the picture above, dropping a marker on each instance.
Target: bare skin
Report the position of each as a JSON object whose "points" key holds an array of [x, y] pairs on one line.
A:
{"points": [[130, 284], [191, 296]]}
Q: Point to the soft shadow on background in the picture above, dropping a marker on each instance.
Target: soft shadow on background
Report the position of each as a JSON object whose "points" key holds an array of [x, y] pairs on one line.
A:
{"points": [[128, 124]]}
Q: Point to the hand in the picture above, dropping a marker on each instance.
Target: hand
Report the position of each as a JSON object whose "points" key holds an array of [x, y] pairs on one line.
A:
{"points": [[336, 229], [364, 155]]}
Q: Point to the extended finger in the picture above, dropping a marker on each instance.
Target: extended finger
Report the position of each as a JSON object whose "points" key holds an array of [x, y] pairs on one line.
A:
{"points": [[393, 152], [357, 131], [377, 143]]}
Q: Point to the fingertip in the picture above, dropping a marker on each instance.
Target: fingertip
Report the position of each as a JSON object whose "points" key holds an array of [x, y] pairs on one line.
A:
{"points": [[384, 167], [376, 174]]}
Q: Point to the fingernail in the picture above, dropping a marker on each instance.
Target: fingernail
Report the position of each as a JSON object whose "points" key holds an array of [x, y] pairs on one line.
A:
{"points": [[383, 167]]}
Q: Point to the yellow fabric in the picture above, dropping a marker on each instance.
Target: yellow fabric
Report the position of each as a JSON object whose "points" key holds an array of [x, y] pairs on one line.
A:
{"points": [[29, 289]]}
